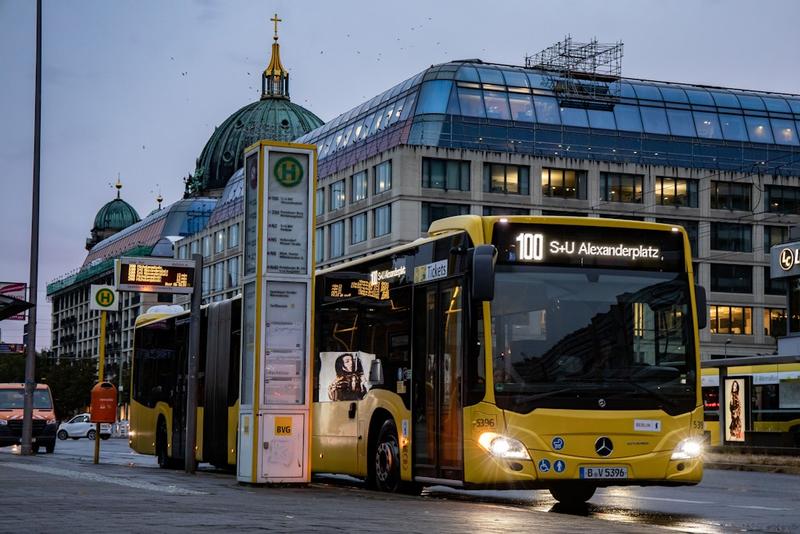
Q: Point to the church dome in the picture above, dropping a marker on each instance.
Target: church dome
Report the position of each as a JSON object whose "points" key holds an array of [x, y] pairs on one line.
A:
{"points": [[112, 217], [273, 117], [276, 119]]}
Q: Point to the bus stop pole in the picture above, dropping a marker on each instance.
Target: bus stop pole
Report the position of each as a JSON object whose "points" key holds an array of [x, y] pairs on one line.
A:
{"points": [[191, 382], [101, 374]]}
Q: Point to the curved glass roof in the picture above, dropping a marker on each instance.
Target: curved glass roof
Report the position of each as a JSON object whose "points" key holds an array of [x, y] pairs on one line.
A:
{"points": [[536, 99]]}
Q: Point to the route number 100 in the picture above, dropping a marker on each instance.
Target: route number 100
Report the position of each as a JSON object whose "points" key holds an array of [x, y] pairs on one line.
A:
{"points": [[531, 246]]}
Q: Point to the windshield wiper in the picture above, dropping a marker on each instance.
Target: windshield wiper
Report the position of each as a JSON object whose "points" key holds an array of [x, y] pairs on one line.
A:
{"points": [[544, 395], [651, 392]]}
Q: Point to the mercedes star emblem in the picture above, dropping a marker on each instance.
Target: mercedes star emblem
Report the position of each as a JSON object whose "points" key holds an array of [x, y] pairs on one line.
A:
{"points": [[601, 403], [603, 446]]}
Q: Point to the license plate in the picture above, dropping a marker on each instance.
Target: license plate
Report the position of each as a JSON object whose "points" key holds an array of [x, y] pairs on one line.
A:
{"points": [[604, 472]]}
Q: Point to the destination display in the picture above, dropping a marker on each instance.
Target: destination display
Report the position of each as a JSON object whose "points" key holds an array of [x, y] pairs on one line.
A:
{"points": [[155, 275], [566, 245], [287, 213]]}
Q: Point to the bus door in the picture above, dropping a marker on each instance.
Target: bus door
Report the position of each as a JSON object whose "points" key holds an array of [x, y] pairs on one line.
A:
{"points": [[178, 397], [437, 373]]}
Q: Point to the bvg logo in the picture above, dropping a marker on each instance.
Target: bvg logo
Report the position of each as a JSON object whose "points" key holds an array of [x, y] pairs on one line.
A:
{"points": [[787, 259], [283, 426], [288, 171]]}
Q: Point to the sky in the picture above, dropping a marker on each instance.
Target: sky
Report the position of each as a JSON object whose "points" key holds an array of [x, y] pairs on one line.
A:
{"points": [[135, 88]]}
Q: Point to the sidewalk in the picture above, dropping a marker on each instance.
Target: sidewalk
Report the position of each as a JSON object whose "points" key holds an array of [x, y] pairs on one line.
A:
{"points": [[753, 462], [47, 494]]}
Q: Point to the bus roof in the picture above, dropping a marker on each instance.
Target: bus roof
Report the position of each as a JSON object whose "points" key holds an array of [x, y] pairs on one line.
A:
{"points": [[479, 227], [379, 254]]}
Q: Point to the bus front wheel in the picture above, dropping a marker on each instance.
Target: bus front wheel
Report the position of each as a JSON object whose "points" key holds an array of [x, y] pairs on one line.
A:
{"points": [[386, 467], [572, 495]]}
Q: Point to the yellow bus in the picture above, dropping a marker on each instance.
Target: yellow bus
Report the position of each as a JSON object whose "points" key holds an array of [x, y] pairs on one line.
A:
{"points": [[500, 352], [513, 352], [159, 380], [774, 408]]}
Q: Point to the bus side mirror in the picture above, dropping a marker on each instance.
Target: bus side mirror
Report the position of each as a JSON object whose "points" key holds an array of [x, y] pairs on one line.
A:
{"points": [[702, 307], [483, 260], [376, 372]]}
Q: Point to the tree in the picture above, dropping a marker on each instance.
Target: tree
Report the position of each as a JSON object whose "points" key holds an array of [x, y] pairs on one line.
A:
{"points": [[70, 381]]}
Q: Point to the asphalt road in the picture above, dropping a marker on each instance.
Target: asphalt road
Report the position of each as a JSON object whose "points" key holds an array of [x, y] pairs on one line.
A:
{"points": [[725, 501]]}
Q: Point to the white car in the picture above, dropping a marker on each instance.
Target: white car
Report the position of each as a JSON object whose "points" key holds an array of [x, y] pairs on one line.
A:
{"points": [[81, 427]]}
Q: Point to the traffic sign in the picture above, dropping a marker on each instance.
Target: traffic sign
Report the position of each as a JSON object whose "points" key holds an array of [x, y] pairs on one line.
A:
{"points": [[103, 298]]}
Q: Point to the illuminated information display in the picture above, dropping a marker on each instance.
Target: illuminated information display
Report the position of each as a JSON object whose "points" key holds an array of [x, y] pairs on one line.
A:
{"points": [[155, 275], [589, 246]]}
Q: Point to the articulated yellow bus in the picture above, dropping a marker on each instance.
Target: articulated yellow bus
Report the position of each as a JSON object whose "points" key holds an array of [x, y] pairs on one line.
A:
{"points": [[503, 352], [159, 378], [774, 383], [500, 352]]}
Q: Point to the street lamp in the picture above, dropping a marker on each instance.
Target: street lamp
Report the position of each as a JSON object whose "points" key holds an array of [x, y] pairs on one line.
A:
{"points": [[727, 342]]}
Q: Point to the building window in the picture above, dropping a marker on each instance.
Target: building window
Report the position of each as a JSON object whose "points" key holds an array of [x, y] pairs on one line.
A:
{"points": [[616, 187], [783, 199], [676, 192], [358, 228], [563, 183], [233, 272], [183, 253], [777, 286], [206, 280], [319, 204], [337, 195], [206, 246], [731, 320], [358, 186], [730, 196], [233, 236], [500, 210], [732, 237], [774, 322], [383, 220], [337, 239], [433, 212], [319, 245], [729, 278], [500, 178], [194, 247], [383, 177], [219, 241], [447, 174], [691, 231], [774, 235], [219, 277]]}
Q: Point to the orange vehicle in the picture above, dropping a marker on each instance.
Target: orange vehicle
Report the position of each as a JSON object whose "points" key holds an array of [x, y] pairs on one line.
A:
{"points": [[12, 402]]}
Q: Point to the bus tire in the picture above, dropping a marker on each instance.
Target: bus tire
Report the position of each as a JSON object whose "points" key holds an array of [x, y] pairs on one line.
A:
{"points": [[162, 454], [386, 461], [573, 494]]}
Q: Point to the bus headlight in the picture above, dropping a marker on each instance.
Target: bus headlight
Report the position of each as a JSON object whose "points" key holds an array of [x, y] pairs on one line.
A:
{"points": [[503, 446], [3, 422], [687, 449]]}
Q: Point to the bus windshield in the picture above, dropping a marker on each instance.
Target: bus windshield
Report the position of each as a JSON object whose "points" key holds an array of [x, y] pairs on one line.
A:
{"points": [[589, 338], [14, 399]]}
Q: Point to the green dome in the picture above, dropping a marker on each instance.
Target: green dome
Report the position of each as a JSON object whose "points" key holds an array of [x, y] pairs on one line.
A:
{"points": [[273, 118], [116, 215]]}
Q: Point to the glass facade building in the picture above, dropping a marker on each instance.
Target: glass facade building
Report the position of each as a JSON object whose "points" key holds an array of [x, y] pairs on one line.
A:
{"points": [[472, 137]]}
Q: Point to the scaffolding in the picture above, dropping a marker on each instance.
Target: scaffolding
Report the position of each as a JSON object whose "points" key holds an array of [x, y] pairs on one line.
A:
{"points": [[581, 72]]}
